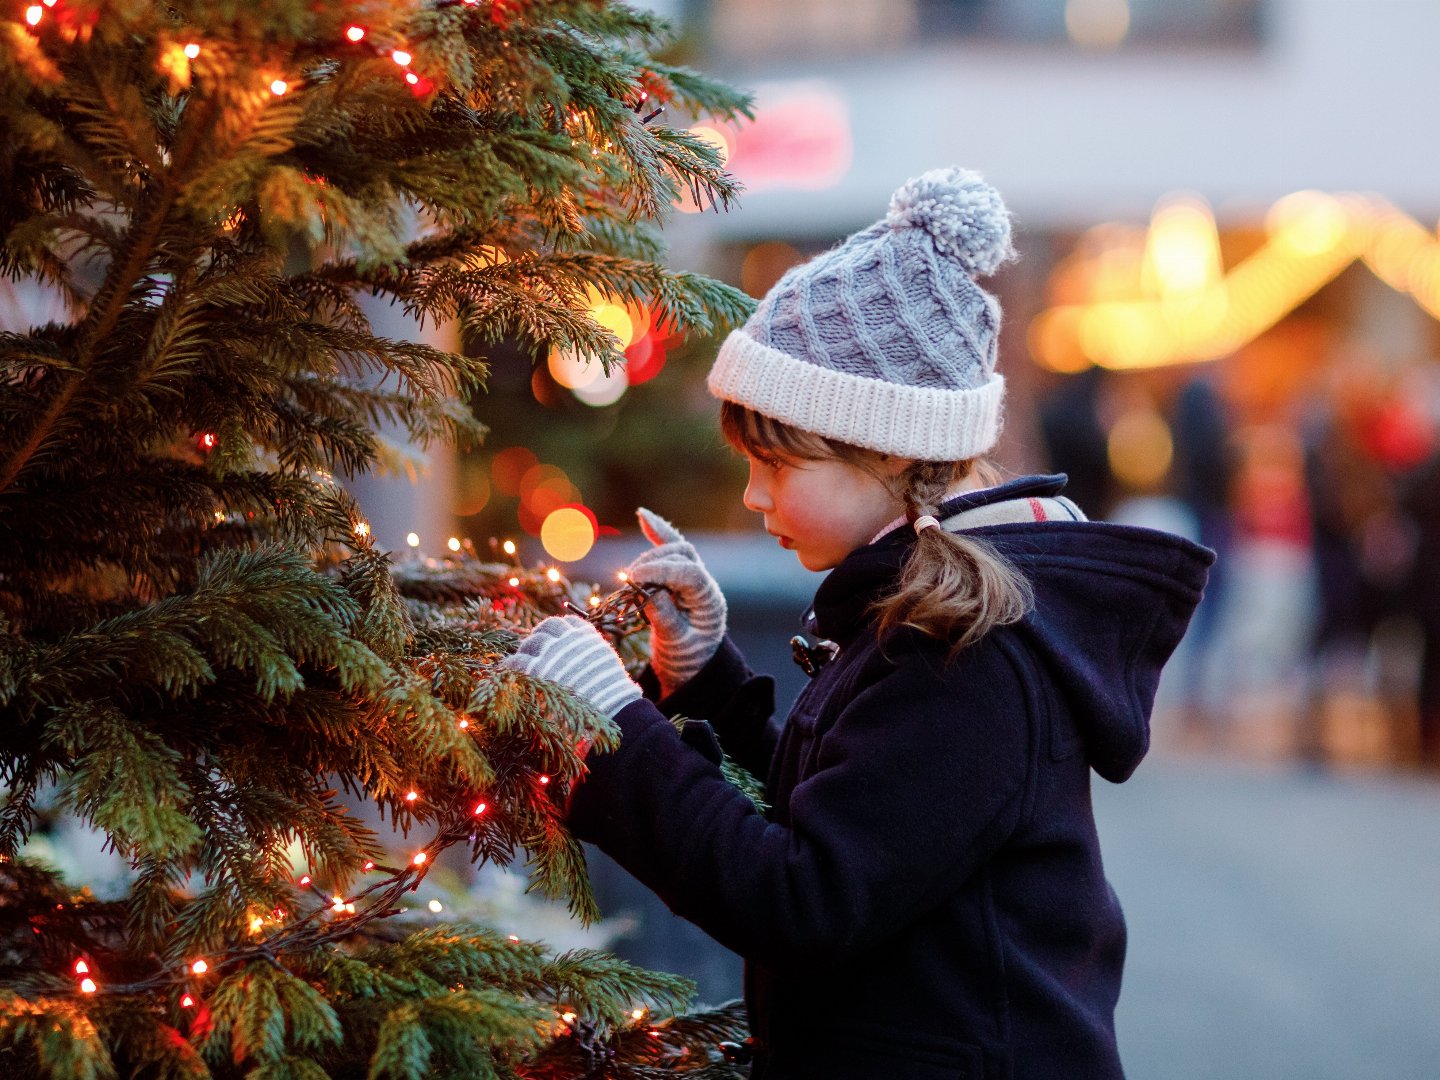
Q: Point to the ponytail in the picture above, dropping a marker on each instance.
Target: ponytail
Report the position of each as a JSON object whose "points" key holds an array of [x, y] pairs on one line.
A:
{"points": [[953, 587]]}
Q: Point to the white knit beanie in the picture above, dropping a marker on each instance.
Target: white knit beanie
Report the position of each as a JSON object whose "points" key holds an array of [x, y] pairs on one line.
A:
{"points": [[886, 341]]}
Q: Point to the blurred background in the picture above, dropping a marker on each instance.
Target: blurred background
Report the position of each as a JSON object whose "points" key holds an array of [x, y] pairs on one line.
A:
{"points": [[1224, 324]]}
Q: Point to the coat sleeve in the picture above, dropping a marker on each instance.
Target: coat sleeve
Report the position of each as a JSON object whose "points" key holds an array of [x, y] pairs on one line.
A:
{"points": [[738, 704], [917, 783]]}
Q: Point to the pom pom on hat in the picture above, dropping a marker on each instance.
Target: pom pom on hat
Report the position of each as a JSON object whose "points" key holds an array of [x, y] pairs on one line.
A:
{"points": [[963, 215]]}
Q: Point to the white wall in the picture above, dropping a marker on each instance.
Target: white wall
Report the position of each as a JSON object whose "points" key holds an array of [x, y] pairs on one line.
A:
{"points": [[1341, 95]]}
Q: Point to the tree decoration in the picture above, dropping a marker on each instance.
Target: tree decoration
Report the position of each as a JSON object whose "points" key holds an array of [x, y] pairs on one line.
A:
{"points": [[203, 654]]}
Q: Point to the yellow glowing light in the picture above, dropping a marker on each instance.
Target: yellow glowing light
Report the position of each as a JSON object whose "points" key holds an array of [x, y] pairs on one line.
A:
{"points": [[453, 543], [514, 582], [553, 574], [257, 924], [1183, 251], [594, 601], [349, 909], [622, 576], [278, 87], [1307, 222], [464, 724], [637, 1014], [508, 547], [435, 906], [1140, 448], [199, 967], [568, 1017], [617, 320], [480, 808], [338, 903], [32, 16], [413, 539], [192, 50], [420, 858], [401, 57], [571, 371], [567, 534], [716, 138], [362, 528], [355, 33], [88, 986], [411, 796]]}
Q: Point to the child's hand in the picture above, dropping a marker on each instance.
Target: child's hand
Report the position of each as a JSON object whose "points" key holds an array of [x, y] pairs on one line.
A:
{"points": [[687, 618], [569, 651]]}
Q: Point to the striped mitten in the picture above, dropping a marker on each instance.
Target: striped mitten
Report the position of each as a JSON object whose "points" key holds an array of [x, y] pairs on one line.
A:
{"points": [[687, 611], [571, 652]]}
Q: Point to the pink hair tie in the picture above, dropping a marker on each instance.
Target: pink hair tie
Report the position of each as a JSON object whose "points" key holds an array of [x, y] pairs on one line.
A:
{"points": [[925, 521]]}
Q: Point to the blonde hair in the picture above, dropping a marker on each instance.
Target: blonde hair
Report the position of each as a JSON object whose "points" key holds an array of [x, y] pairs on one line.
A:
{"points": [[953, 587]]}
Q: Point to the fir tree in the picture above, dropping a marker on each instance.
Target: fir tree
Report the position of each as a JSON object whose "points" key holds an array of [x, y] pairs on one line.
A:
{"points": [[202, 653]]}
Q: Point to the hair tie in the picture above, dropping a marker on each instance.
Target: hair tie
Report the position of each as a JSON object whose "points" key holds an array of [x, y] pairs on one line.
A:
{"points": [[925, 521]]}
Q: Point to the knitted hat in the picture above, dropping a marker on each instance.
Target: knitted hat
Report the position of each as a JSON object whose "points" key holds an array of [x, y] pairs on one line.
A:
{"points": [[886, 341]]}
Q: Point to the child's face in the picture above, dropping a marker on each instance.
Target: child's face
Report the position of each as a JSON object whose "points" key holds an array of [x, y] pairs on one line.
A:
{"points": [[821, 509]]}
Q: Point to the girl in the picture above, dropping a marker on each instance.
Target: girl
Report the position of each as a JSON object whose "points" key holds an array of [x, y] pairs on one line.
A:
{"points": [[924, 899]]}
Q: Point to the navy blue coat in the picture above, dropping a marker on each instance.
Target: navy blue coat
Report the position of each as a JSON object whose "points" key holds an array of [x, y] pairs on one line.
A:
{"points": [[925, 897]]}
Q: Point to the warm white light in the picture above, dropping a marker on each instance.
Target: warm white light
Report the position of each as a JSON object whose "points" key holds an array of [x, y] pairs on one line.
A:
{"points": [[411, 78], [278, 87], [88, 986], [199, 967], [82, 968], [32, 16], [436, 906], [355, 33], [419, 859], [362, 528], [411, 796], [508, 547], [553, 574], [514, 582], [544, 780], [401, 57], [192, 50], [413, 539], [453, 543], [568, 1017]]}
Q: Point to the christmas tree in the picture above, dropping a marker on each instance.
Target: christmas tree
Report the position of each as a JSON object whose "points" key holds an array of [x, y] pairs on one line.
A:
{"points": [[203, 655]]}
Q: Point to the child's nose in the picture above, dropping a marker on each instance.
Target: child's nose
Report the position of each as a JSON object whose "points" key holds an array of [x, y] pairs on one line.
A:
{"points": [[757, 495]]}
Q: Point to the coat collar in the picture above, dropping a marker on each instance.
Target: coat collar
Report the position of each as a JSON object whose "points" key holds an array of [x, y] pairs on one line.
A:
{"points": [[842, 603]]}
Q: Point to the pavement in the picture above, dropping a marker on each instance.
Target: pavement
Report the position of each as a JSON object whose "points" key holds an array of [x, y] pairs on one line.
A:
{"points": [[1284, 922]]}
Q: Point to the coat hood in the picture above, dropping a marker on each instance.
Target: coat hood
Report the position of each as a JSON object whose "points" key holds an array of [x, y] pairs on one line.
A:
{"points": [[1111, 604]]}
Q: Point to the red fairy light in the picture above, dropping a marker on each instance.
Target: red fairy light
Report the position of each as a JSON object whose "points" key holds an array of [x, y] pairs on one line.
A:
{"points": [[479, 809], [304, 879], [419, 85], [88, 986], [82, 968], [411, 78], [368, 865], [208, 440], [544, 780], [187, 1002]]}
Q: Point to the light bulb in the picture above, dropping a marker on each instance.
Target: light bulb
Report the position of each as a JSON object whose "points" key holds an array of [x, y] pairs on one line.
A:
{"points": [[509, 547], [419, 859], [436, 906], [411, 796], [199, 967], [192, 50], [453, 543], [479, 808], [88, 986], [278, 87], [401, 57], [355, 33], [553, 574], [82, 968], [187, 1002], [32, 16], [413, 539], [514, 582]]}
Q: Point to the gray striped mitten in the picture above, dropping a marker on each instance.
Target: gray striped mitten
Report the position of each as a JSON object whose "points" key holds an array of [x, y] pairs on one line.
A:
{"points": [[571, 652], [687, 615]]}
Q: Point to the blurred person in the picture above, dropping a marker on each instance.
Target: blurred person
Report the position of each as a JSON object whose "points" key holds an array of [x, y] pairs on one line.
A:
{"points": [[924, 895]]}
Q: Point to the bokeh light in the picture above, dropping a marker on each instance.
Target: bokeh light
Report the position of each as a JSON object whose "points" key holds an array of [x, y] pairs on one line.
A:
{"points": [[509, 467], [606, 390], [571, 371], [1140, 448], [644, 360], [568, 533]]}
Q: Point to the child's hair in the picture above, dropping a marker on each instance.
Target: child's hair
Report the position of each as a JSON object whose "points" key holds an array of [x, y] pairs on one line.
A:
{"points": [[953, 587]]}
